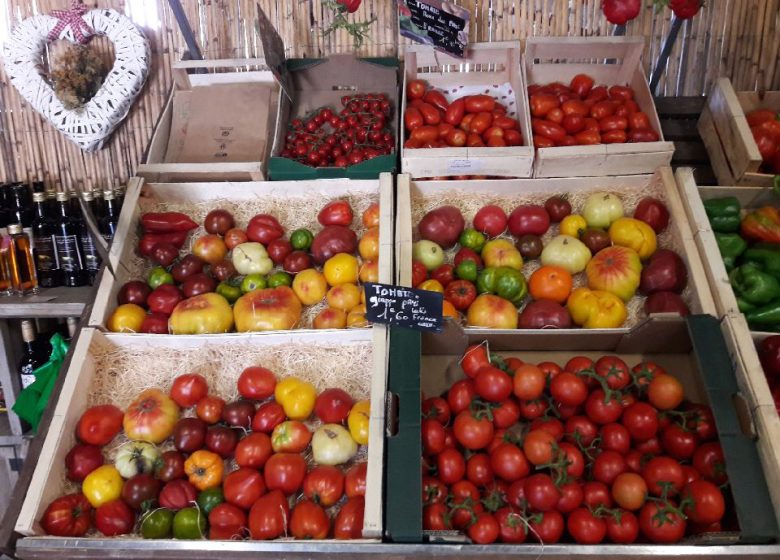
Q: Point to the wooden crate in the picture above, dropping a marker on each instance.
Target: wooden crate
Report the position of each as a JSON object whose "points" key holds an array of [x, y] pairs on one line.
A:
{"points": [[194, 354], [156, 168], [726, 134], [559, 59], [488, 64], [127, 264], [717, 276], [657, 328]]}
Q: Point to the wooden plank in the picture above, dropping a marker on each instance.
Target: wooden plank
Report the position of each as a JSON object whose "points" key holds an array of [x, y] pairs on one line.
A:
{"points": [[49, 302]]}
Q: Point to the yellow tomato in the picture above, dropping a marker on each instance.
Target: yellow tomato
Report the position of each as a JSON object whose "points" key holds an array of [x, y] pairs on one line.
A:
{"points": [[369, 245], [501, 252], [595, 309], [357, 316], [310, 286], [344, 297], [204, 469], [127, 318], [573, 225], [634, 234], [358, 421], [342, 268], [102, 485], [296, 397], [432, 286], [369, 271]]}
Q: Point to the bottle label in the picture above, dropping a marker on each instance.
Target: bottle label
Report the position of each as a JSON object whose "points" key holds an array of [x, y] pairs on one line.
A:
{"points": [[91, 256], [69, 253], [45, 256]]}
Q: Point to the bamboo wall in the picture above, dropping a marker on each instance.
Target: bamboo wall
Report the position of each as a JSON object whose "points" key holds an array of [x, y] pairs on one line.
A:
{"points": [[735, 38]]}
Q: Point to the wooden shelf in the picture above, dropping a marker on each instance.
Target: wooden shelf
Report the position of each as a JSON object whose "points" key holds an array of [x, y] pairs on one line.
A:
{"points": [[49, 302]]}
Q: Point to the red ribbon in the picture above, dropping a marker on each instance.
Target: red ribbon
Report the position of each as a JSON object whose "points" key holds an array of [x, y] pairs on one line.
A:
{"points": [[72, 18]]}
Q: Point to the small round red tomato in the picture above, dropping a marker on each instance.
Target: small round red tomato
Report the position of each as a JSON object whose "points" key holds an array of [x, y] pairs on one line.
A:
{"points": [[436, 518], [209, 409], [541, 493], [170, 466], [506, 414], [490, 220], [547, 527], [607, 466], [433, 437], [451, 465], [528, 382], [704, 502], [539, 446], [659, 526], [478, 470], [663, 474], [641, 421], [678, 441], [512, 527], [285, 472], [355, 480], [629, 490], [267, 417], [140, 491], [471, 431], [434, 491], [614, 371], [336, 213], [460, 395], [585, 527], [253, 450], [622, 527], [645, 372], [492, 384], [474, 358], [256, 383], [602, 410], [595, 494], [99, 424], [484, 530], [665, 392], [702, 422], [580, 429], [226, 522], [575, 462], [708, 459], [324, 485], [309, 521], [568, 389], [67, 516], [571, 497], [615, 437], [81, 460], [114, 518], [436, 408], [188, 389], [509, 462]]}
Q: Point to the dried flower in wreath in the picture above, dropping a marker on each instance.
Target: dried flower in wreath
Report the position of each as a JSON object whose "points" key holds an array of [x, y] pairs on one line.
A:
{"points": [[78, 74], [340, 9]]}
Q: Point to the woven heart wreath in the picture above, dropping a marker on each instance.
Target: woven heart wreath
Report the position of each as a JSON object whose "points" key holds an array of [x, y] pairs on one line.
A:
{"points": [[91, 124]]}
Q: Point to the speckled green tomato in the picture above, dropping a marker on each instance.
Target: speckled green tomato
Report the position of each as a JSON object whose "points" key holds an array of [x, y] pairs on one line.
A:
{"points": [[210, 498], [253, 282], [279, 278], [189, 524], [159, 276], [301, 239], [229, 291], [157, 524]]}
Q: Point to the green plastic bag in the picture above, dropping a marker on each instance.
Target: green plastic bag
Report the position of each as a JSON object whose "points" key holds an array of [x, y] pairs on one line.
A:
{"points": [[33, 400]]}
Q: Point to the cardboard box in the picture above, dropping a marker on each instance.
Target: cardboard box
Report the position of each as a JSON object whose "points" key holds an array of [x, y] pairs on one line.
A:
{"points": [[495, 66], [726, 134], [559, 59], [318, 83], [696, 354]]}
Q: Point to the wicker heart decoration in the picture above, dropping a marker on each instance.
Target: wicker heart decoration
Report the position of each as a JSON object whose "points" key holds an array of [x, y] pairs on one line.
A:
{"points": [[90, 125]]}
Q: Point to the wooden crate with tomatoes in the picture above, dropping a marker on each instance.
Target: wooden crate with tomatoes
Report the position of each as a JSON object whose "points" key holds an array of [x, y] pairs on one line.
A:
{"points": [[741, 132], [548, 432], [548, 239], [592, 110], [259, 256], [444, 95], [164, 440]]}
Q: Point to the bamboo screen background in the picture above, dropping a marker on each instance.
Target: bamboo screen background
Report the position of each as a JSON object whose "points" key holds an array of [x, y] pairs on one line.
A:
{"points": [[735, 38]]}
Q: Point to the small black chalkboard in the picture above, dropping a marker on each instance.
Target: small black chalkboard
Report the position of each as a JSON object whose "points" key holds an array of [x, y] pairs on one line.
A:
{"points": [[435, 22], [404, 307]]}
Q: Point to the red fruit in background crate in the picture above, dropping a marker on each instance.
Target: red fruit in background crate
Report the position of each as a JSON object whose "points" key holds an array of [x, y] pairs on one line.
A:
{"points": [[685, 9], [653, 212], [620, 11], [769, 353]]}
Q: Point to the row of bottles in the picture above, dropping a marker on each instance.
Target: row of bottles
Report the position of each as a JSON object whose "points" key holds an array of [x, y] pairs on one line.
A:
{"points": [[36, 348], [52, 246]]}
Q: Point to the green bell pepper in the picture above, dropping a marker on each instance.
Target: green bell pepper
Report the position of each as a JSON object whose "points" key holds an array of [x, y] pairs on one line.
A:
{"points": [[723, 213], [731, 246], [486, 280], [745, 306], [510, 284], [754, 285], [765, 255], [768, 314]]}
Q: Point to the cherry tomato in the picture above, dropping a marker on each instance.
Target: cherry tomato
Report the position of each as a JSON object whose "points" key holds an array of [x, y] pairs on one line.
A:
{"points": [[615, 437], [663, 473], [596, 493], [475, 357], [436, 408], [585, 527], [568, 389], [607, 466], [614, 371], [433, 436], [509, 462], [473, 432], [705, 502], [538, 447], [641, 421], [678, 441], [571, 497], [708, 459], [702, 422], [602, 410], [622, 527], [460, 395], [660, 526], [512, 528], [492, 384], [547, 527], [506, 414], [478, 469], [580, 429], [435, 518], [541, 493], [451, 465]]}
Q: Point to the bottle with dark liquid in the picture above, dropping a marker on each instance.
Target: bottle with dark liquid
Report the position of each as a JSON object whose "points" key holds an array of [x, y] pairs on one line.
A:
{"points": [[34, 355], [5, 208], [44, 251], [20, 203], [70, 253], [20, 261], [108, 221], [91, 256]]}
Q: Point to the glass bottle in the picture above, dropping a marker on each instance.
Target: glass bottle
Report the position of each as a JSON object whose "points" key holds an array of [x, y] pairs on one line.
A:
{"points": [[97, 203], [70, 253], [73, 327], [46, 263], [38, 187], [33, 356], [107, 222], [5, 208], [51, 204], [21, 263], [91, 255], [21, 205], [6, 284]]}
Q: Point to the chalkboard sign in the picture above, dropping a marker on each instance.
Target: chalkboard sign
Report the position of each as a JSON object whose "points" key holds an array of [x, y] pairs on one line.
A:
{"points": [[404, 307], [438, 23]]}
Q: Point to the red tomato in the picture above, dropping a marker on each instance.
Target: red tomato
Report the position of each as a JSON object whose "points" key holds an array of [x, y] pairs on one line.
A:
{"points": [[355, 480], [607, 466], [533, 409], [663, 472], [264, 228], [437, 99], [542, 103], [99, 424], [585, 527], [505, 123], [629, 490], [456, 138], [615, 437], [622, 527], [336, 213], [580, 429], [349, 521], [415, 89], [513, 137], [285, 472], [474, 141], [267, 417], [67, 516], [451, 465], [512, 529], [481, 122], [665, 392], [614, 136], [226, 522], [708, 459], [555, 115], [436, 408], [454, 113], [506, 414], [413, 118], [702, 422], [492, 384], [678, 441], [509, 462], [568, 389], [541, 493], [436, 518], [478, 469], [425, 134], [614, 371], [638, 120], [433, 437], [661, 527], [571, 497], [704, 502], [82, 459], [479, 103], [595, 494], [324, 485], [641, 421], [243, 487], [553, 426], [114, 518], [548, 129], [538, 447], [256, 383], [253, 450], [547, 527], [460, 395], [611, 123], [543, 142], [587, 138], [472, 432], [188, 389], [581, 84], [177, 494], [573, 123], [528, 382], [602, 410], [492, 221], [598, 93], [484, 530], [333, 405], [209, 409], [621, 93], [430, 114], [269, 517], [591, 125], [643, 135], [575, 108]]}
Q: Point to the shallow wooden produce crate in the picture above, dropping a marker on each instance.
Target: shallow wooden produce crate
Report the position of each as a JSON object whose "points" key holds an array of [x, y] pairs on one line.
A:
{"points": [[159, 167], [559, 59], [726, 134], [485, 64], [98, 363], [415, 197], [258, 197]]}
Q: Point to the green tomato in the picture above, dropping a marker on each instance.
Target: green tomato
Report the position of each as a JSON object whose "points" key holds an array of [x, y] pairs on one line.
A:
{"points": [[467, 270], [279, 278], [486, 280], [210, 498], [510, 284], [472, 239], [301, 239], [159, 276], [252, 282], [229, 291], [157, 524], [189, 523]]}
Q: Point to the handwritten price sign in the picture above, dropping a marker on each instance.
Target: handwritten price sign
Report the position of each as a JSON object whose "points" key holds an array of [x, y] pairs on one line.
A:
{"points": [[404, 307]]}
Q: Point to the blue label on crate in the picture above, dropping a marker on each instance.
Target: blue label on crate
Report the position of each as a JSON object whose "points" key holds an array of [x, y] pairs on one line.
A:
{"points": [[404, 307]]}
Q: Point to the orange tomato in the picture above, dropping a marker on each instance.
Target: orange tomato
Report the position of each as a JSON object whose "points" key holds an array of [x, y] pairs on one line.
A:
{"points": [[371, 216], [204, 469], [448, 310], [550, 282]]}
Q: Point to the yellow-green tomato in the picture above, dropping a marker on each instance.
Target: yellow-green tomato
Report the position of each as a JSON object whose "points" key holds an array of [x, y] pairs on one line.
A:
{"points": [[601, 209], [331, 444], [567, 252]]}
